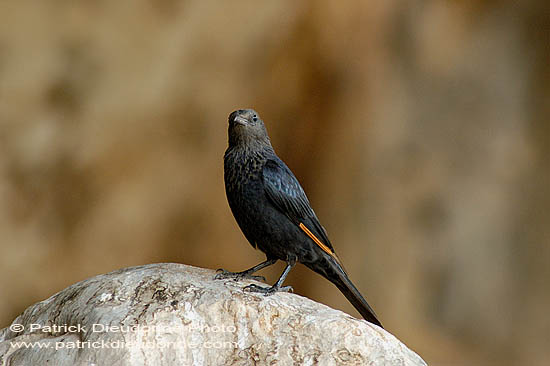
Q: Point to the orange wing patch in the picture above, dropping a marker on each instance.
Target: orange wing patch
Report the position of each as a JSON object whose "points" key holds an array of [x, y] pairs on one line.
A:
{"points": [[318, 242], [321, 245]]}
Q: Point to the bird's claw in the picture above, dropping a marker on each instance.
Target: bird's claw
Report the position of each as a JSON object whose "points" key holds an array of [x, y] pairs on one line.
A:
{"points": [[267, 291], [222, 274]]}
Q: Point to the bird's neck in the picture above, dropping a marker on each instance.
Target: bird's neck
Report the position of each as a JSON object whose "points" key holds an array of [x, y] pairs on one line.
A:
{"points": [[250, 144]]}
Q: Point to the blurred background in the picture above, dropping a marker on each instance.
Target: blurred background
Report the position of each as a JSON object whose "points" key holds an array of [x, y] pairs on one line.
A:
{"points": [[419, 129]]}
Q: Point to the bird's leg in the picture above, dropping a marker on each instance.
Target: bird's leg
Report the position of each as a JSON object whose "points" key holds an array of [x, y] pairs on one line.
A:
{"points": [[223, 274], [277, 286]]}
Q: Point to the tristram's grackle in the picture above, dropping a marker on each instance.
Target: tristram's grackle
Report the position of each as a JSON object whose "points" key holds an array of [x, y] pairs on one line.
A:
{"points": [[274, 213]]}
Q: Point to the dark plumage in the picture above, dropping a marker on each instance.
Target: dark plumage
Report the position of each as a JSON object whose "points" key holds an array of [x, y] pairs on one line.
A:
{"points": [[274, 213]]}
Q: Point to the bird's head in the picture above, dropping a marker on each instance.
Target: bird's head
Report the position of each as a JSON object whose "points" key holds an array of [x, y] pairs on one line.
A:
{"points": [[246, 128]]}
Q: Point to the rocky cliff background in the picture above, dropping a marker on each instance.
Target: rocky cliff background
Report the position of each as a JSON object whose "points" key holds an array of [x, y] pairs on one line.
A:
{"points": [[420, 131]]}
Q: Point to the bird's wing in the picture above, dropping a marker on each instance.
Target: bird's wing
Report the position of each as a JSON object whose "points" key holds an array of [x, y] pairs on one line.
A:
{"points": [[284, 191]]}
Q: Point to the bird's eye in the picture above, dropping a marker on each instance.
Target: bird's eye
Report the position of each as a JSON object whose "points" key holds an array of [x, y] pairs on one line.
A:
{"points": [[255, 118]]}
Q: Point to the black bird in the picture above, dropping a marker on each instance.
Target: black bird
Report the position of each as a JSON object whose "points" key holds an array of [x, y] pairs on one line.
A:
{"points": [[274, 213]]}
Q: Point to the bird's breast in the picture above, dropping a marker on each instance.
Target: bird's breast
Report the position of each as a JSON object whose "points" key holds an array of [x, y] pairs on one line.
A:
{"points": [[243, 176]]}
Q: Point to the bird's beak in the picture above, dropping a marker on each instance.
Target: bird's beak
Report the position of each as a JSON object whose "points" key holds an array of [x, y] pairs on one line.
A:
{"points": [[241, 120]]}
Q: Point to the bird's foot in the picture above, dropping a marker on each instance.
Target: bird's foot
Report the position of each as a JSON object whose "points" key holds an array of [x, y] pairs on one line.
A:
{"points": [[237, 276], [268, 291]]}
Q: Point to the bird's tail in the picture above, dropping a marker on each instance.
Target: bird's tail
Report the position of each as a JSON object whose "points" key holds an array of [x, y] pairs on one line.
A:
{"points": [[336, 274]]}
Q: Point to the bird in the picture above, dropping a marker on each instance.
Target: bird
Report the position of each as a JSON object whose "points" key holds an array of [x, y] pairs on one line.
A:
{"points": [[274, 213]]}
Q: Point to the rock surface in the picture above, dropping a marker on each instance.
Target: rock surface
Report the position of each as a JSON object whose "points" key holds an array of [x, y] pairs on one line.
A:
{"points": [[173, 314]]}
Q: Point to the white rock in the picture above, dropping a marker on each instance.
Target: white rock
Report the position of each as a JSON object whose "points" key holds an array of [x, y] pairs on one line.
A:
{"points": [[173, 314]]}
